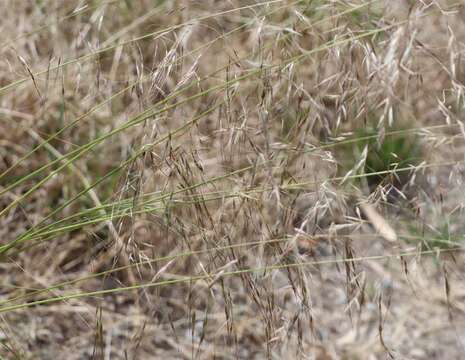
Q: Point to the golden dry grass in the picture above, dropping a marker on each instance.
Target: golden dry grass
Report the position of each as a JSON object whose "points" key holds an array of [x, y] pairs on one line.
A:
{"points": [[232, 179]]}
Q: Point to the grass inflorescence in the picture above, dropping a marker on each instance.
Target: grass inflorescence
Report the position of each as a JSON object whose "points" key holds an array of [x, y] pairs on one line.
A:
{"points": [[236, 179]]}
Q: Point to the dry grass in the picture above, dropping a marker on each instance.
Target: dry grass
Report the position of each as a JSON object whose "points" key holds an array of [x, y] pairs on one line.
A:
{"points": [[232, 179]]}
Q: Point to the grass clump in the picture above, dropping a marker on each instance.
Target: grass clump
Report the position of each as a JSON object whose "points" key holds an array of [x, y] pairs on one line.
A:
{"points": [[185, 181], [380, 158]]}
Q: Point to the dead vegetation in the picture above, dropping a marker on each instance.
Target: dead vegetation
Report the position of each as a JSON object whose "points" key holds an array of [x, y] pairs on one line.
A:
{"points": [[232, 179]]}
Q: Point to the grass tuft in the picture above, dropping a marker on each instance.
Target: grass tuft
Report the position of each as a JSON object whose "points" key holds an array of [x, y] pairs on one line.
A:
{"points": [[231, 179]]}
